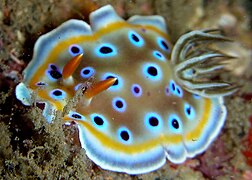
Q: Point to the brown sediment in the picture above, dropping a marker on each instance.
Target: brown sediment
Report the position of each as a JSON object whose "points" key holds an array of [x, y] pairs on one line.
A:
{"points": [[31, 148]]}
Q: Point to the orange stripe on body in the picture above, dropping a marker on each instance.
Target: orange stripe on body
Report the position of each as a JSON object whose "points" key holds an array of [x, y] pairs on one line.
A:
{"points": [[109, 143], [197, 131]]}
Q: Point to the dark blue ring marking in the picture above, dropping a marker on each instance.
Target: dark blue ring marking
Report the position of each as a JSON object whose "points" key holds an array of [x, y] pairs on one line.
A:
{"points": [[152, 71], [53, 73], [172, 86], [57, 94], [189, 111], [153, 121], [175, 89], [135, 39], [53, 67], [76, 116], [117, 85], [163, 44], [158, 55], [136, 90], [41, 84], [75, 50], [195, 96], [124, 135], [105, 50], [175, 125], [179, 91], [99, 121], [87, 72], [119, 104], [167, 91]]}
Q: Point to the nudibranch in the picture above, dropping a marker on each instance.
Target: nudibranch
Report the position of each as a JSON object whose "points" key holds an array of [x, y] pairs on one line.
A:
{"points": [[142, 100]]}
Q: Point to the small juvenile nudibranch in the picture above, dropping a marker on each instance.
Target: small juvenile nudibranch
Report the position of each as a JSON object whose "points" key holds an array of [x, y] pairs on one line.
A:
{"points": [[148, 101]]}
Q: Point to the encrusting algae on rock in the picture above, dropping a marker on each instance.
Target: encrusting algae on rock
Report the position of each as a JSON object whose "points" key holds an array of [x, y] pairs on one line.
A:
{"points": [[146, 101]]}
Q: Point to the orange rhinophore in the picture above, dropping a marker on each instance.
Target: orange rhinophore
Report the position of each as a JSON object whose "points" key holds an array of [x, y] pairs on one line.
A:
{"points": [[99, 87], [71, 66]]}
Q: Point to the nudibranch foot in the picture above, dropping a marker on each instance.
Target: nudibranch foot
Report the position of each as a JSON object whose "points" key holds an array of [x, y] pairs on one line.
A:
{"points": [[195, 67]]}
